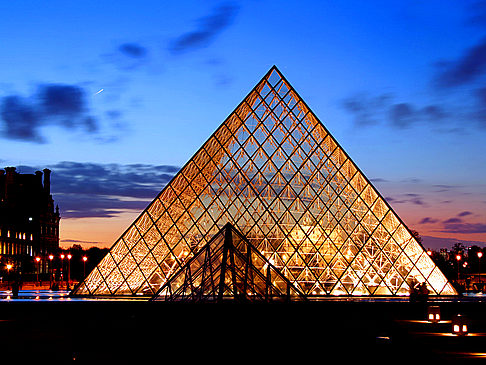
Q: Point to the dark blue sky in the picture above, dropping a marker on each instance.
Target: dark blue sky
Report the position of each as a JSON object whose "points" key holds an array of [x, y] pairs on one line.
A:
{"points": [[128, 91]]}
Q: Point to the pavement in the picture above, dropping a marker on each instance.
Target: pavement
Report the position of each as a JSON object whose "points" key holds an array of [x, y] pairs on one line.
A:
{"points": [[64, 329]]}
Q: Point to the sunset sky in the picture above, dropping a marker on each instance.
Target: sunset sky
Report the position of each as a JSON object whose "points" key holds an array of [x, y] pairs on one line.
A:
{"points": [[114, 97]]}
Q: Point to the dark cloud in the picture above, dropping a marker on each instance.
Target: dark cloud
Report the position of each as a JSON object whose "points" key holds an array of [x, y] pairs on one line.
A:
{"points": [[378, 180], [412, 180], [368, 110], [427, 220], [467, 68], [407, 198], [133, 50], [433, 113], [128, 56], [89, 206], [21, 120], [105, 190], [365, 108], [453, 220], [114, 114], [58, 99], [69, 240], [402, 115], [209, 27], [445, 187], [52, 104], [464, 214], [464, 228], [133, 181]]}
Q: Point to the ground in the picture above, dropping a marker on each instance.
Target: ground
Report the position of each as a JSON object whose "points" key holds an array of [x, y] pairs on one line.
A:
{"points": [[116, 332]]}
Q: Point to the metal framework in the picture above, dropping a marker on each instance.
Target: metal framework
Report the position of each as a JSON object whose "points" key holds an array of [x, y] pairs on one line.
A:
{"points": [[229, 267], [273, 171]]}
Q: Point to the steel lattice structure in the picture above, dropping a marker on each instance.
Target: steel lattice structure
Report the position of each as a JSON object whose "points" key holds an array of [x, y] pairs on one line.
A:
{"points": [[228, 267], [275, 172]]}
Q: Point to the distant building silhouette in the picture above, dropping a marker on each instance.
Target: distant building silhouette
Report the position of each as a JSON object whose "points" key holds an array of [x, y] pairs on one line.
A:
{"points": [[29, 223]]}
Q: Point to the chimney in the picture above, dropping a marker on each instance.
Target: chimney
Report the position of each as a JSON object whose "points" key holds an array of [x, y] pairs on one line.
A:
{"points": [[47, 181], [9, 181]]}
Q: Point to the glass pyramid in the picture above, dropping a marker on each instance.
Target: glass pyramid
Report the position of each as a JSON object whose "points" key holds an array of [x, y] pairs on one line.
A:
{"points": [[273, 171], [228, 267]]}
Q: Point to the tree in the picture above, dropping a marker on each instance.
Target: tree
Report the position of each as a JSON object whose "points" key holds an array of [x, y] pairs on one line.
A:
{"points": [[416, 235]]}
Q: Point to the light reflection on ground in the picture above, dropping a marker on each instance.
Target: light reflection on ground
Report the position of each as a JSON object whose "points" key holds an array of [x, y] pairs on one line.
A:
{"points": [[41, 295]]}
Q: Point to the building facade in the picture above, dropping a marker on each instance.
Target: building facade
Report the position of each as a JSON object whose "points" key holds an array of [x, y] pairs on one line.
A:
{"points": [[29, 222]]}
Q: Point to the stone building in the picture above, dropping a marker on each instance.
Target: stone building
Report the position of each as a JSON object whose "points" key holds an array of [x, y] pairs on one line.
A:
{"points": [[29, 223]]}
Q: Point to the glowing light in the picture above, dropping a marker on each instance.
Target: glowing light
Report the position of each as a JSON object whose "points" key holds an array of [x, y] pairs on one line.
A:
{"points": [[99, 91]]}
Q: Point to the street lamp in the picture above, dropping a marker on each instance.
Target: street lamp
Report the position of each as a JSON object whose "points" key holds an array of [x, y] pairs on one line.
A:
{"points": [[9, 266], [458, 258], [37, 259], [84, 266], [69, 256], [50, 270], [62, 268], [480, 254]]}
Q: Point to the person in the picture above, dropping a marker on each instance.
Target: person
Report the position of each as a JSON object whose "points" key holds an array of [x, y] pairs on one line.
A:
{"points": [[423, 289]]}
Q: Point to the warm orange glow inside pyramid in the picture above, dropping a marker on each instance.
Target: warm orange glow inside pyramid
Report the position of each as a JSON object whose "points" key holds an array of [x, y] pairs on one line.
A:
{"points": [[274, 172]]}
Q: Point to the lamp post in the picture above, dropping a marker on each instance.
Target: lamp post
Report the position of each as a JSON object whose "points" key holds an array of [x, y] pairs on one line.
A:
{"points": [[37, 259], [62, 268], [50, 270], [9, 266], [69, 256], [480, 254], [84, 266], [458, 258]]}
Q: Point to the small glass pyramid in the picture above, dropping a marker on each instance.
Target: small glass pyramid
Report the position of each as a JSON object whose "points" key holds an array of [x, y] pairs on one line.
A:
{"points": [[275, 173], [228, 268]]}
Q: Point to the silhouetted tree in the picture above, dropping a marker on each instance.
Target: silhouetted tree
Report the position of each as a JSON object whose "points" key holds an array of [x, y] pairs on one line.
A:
{"points": [[416, 235]]}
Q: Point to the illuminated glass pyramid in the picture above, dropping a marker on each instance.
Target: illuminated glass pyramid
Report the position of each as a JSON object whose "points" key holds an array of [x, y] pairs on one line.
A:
{"points": [[274, 172]]}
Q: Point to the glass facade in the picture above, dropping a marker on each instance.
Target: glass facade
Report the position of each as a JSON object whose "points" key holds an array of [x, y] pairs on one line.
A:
{"points": [[274, 172]]}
